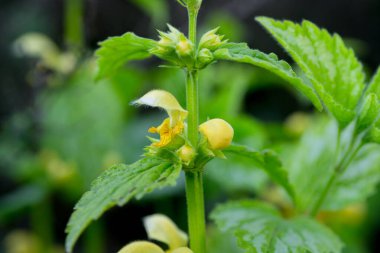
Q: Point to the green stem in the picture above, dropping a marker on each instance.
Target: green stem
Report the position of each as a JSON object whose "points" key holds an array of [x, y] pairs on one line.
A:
{"points": [[192, 107], [194, 180], [195, 209], [73, 26], [42, 223]]}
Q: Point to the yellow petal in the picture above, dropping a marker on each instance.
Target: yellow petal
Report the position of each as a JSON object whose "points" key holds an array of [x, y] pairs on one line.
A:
{"points": [[166, 101], [218, 133], [182, 250], [159, 227], [141, 247]]}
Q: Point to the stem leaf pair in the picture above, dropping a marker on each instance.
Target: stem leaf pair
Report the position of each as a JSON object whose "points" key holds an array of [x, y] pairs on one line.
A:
{"points": [[117, 186], [311, 162]]}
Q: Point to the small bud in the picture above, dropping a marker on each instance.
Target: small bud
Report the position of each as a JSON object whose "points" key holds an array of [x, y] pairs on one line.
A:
{"points": [[211, 40], [141, 247], [205, 57], [184, 47], [186, 153], [218, 133]]}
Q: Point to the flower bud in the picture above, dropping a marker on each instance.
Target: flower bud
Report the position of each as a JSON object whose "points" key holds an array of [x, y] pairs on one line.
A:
{"points": [[141, 247], [211, 40], [186, 153], [218, 132], [205, 57], [184, 47]]}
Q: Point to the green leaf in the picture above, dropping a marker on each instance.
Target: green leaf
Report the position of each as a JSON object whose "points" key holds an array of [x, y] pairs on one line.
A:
{"points": [[117, 51], [310, 162], [116, 186], [240, 52], [374, 85], [266, 160], [333, 69], [260, 228]]}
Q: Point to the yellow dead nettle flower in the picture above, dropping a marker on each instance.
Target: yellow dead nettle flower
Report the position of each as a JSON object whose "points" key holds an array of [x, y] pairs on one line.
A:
{"points": [[218, 132], [161, 228], [170, 127]]}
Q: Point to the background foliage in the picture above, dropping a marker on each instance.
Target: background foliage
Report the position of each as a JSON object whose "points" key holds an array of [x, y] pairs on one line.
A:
{"points": [[60, 130]]}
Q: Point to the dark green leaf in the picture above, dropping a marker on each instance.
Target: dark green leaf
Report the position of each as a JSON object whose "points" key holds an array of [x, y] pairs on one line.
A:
{"points": [[117, 51], [116, 186], [332, 68], [240, 52], [267, 161], [260, 228]]}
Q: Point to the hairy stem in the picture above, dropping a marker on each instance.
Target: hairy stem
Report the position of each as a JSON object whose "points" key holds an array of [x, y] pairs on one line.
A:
{"points": [[194, 180]]}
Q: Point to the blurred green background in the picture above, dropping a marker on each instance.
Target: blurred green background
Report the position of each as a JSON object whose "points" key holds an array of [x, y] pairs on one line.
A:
{"points": [[59, 129]]}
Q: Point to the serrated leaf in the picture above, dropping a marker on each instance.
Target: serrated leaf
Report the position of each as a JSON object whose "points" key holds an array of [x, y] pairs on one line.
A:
{"points": [[333, 69], [374, 85], [240, 52], [260, 228], [116, 186], [117, 51], [267, 161]]}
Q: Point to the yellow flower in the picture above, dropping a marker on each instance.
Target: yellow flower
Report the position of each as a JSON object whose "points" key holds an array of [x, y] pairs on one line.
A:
{"points": [[160, 228], [218, 132], [170, 127]]}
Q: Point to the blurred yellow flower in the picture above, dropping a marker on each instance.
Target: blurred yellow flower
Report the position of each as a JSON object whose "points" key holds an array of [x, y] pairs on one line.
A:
{"points": [[160, 228], [170, 127], [141, 247], [219, 133]]}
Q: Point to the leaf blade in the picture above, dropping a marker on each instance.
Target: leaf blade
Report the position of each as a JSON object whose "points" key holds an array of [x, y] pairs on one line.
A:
{"points": [[240, 52], [259, 228], [118, 50], [333, 69], [116, 186]]}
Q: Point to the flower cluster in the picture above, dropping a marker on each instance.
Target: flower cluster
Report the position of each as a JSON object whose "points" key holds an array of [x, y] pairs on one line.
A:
{"points": [[176, 48], [217, 133]]}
